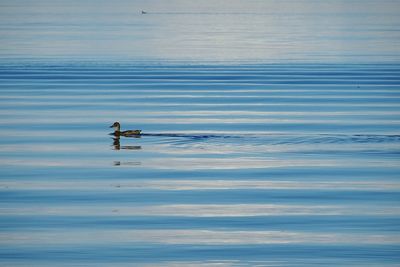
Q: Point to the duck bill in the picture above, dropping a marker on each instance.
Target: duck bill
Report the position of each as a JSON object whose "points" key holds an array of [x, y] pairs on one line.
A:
{"points": [[112, 126]]}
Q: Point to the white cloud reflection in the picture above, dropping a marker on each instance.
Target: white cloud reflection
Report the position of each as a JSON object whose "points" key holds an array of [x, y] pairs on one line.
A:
{"points": [[186, 163], [198, 185], [202, 210], [208, 30], [197, 237]]}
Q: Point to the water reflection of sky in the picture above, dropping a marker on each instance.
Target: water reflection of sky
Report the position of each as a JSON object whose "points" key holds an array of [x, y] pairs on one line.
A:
{"points": [[278, 156], [306, 30], [203, 237]]}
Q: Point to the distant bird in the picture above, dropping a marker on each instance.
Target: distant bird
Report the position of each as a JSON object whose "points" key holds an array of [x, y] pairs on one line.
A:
{"points": [[144, 12], [117, 130]]}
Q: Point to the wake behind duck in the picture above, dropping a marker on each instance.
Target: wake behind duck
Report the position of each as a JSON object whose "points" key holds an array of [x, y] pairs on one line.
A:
{"points": [[138, 133]]}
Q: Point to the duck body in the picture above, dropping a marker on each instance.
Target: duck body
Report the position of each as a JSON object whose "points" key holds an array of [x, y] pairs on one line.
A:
{"points": [[127, 133], [118, 132]]}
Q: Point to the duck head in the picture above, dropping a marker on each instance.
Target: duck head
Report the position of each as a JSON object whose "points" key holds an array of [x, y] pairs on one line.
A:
{"points": [[116, 126]]}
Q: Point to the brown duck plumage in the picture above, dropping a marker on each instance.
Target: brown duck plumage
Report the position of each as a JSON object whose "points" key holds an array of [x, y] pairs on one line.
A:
{"points": [[118, 132]]}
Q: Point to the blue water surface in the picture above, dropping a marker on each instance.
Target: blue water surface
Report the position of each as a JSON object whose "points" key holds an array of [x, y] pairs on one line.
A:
{"points": [[256, 169], [271, 133]]}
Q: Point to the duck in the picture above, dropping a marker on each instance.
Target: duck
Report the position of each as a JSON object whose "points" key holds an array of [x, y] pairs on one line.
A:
{"points": [[117, 130]]}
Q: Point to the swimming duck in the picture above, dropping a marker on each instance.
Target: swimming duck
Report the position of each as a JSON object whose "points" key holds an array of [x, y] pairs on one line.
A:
{"points": [[117, 130]]}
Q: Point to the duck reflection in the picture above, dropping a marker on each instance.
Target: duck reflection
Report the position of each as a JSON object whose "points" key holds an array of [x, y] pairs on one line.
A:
{"points": [[117, 145]]}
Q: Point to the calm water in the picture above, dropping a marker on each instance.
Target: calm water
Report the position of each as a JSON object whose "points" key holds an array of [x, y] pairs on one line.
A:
{"points": [[357, 31], [271, 133], [238, 165]]}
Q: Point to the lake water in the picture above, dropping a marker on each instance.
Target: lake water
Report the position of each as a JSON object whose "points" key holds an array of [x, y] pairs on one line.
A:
{"points": [[238, 165], [261, 148]]}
